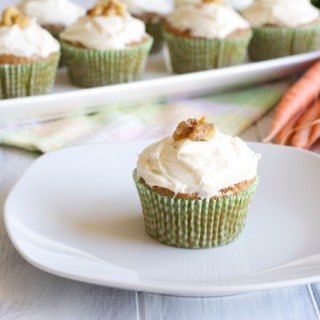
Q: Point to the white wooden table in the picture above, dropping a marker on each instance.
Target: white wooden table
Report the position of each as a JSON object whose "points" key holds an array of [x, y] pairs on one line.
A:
{"points": [[28, 293]]}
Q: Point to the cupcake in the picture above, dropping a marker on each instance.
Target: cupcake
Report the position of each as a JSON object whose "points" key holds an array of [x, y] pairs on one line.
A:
{"points": [[205, 36], [53, 15], [152, 12], [282, 28], [196, 186], [106, 46], [29, 56]]}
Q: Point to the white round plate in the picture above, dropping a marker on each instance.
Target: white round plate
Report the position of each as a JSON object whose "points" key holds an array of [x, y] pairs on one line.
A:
{"points": [[75, 213]]}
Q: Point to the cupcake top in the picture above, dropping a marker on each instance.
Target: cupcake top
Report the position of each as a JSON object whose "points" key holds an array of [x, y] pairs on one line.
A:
{"points": [[199, 159], [282, 13], [237, 4], [108, 26], [52, 12], [21, 36], [139, 7], [209, 19]]}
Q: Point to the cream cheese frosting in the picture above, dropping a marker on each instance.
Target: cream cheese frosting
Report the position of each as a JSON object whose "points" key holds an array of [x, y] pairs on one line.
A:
{"points": [[211, 21], [105, 32], [283, 13], [102, 33], [202, 167], [32, 41], [139, 7], [237, 4], [55, 12]]}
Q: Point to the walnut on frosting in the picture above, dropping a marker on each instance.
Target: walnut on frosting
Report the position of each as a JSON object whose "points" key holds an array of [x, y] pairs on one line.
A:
{"points": [[195, 130], [12, 16], [213, 1], [107, 8]]}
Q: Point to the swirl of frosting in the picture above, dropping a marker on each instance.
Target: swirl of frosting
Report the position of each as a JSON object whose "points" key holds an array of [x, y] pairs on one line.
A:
{"points": [[52, 12], [105, 32], [207, 20], [282, 13], [237, 4], [202, 167], [29, 42], [138, 7]]}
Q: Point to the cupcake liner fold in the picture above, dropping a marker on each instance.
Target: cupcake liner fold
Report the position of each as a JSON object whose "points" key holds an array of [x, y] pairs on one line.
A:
{"points": [[92, 68], [275, 42], [28, 79], [194, 223], [195, 54]]}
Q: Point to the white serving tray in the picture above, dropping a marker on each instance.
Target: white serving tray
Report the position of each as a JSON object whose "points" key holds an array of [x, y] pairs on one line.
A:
{"points": [[76, 213], [157, 81]]}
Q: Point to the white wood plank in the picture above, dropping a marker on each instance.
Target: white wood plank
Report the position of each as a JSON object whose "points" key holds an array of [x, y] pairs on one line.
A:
{"points": [[28, 293], [315, 288], [280, 304]]}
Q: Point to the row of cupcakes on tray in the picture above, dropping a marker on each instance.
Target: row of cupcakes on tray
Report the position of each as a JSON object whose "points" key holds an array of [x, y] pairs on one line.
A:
{"points": [[110, 42]]}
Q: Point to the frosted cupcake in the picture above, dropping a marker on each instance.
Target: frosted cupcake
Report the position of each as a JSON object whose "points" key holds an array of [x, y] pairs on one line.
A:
{"points": [[29, 56], [106, 46], [196, 186], [152, 12], [205, 36], [282, 28], [53, 15]]}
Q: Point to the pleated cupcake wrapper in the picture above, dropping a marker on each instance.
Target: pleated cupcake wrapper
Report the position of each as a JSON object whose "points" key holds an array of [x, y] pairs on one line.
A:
{"points": [[195, 54], [187, 223], [56, 35], [92, 68], [274, 42], [155, 30], [27, 79]]}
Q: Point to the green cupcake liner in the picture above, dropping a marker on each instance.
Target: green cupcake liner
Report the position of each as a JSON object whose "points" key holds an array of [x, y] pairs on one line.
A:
{"points": [[93, 68], [56, 35], [155, 30], [275, 42], [187, 223], [196, 54], [28, 79]]}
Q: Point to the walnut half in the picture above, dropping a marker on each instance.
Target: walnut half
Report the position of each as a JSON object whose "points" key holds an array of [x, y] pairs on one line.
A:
{"points": [[195, 130], [12, 15], [107, 9], [213, 1]]}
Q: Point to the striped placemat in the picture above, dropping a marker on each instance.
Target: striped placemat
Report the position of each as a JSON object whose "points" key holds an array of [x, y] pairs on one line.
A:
{"points": [[232, 112]]}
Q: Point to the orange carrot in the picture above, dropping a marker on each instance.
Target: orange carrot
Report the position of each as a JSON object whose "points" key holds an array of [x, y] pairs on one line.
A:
{"points": [[298, 96], [286, 133], [315, 133], [304, 126]]}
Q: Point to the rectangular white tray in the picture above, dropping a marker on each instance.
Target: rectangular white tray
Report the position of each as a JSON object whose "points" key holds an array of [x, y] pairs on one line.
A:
{"points": [[157, 81]]}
